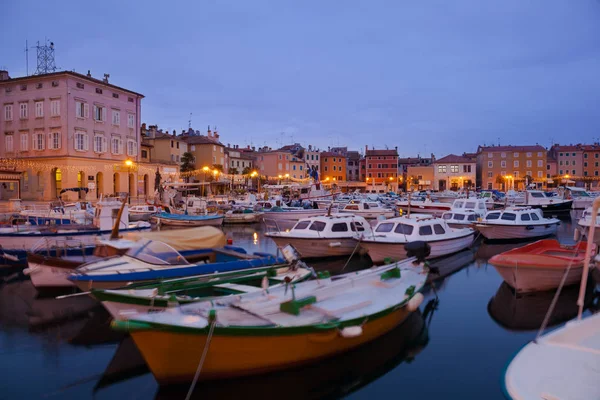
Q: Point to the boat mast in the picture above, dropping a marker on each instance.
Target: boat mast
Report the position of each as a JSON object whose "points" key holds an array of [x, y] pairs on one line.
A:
{"points": [[588, 256]]}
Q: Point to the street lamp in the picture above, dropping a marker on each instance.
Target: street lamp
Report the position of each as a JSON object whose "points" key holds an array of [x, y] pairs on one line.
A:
{"points": [[254, 174], [205, 169]]}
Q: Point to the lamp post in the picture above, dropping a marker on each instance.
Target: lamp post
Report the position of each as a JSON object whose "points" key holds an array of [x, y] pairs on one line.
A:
{"points": [[216, 174], [129, 165], [205, 169], [254, 174]]}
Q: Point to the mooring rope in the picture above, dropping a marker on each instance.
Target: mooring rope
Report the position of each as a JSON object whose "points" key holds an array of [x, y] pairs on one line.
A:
{"points": [[201, 363]]}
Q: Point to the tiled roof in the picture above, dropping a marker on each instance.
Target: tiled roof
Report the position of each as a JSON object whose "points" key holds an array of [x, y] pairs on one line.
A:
{"points": [[332, 154], [536, 147], [371, 153], [200, 139], [453, 158]]}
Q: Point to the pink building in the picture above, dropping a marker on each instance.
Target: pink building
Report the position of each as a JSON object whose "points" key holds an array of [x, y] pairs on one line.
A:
{"points": [[273, 163], [68, 130]]}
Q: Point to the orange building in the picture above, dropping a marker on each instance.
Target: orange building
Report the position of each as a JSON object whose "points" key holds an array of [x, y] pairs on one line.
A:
{"points": [[591, 160], [333, 167], [502, 167], [381, 167]]}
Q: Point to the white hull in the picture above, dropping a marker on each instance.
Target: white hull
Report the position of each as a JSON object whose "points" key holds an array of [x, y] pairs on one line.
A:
{"points": [[379, 251], [528, 279], [190, 222], [242, 218], [506, 232], [435, 209], [46, 277], [318, 248], [370, 214], [24, 242], [582, 204]]}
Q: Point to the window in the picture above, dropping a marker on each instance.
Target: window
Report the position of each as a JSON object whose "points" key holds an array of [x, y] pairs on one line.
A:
{"points": [[567, 162], [25, 181], [144, 153], [132, 148], [490, 174], [79, 85], [528, 154], [438, 229], [23, 87], [539, 153], [317, 226], [540, 174], [22, 110], [515, 154], [509, 216], [454, 168], [100, 144], [425, 230], [516, 164], [357, 227], [54, 141], [130, 121], [503, 155], [8, 112], [385, 227], [525, 217], [596, 155], [116, 95], [516, 174], [560, 154], [490, 164], [503, 164], [528, 163], [24, 142], [535, 217], [503, 173], [459, 217], [339, 227], [537, 195], [404, 229], [447, 215], [466, 168], [54, 108], [82, 110], [490, 155], [81, 142], [130, 99], [39, 109], [99, 113], [116, 117], [540, 163], [573, 172], [178, 147], [585, 155], [38, 141], [442, 169], [116, 145], [301, 225], [560, 172], [528, 173], [98, 90], [492, 216], [8, 141], [573, 162]]}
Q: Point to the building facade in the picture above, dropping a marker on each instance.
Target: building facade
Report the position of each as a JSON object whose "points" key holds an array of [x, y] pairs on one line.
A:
{"points": [[569, 159], [454, 173], [333, 167], [166, 148], [405, 163], [311, 157], [275, 163], [420, 177], [67, 130], [591, 163], [500, 167], [381, 168], [208, 151]]}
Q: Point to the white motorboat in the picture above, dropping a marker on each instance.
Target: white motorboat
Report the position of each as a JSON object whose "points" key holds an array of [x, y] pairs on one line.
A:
{"points": [[390, 236], [516, 223], [324, 236], [241, 215], [581, 198], [142, 212], [283, 216], [547, 202], [465, 212], [426, 206], [367, 209], [59, 213], [562, 364], [583, 226]]}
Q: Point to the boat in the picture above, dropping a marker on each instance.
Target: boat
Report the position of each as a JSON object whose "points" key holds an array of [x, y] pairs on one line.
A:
{"points": [[59, 213], [171, 219], [323, 236], [583, 226], [516, 223], [286, 217], [157, 297], [15, 243], [389, 237], [547, 202], [242, 216], [367, 209], [581, 198], [142, 212], [540, 265], [153, 260], [561, 364], [258, 332], [465, 212], [426, 206]]}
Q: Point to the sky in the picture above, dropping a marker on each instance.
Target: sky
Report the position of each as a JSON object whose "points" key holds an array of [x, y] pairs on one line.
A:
{"points": [[428, 76]]}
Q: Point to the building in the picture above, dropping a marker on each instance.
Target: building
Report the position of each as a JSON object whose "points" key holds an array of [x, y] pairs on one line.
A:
{"points": [[569, 160], [353, 166], [591, 160], [311, 157], [510, 167], [67, 130], [420, 177], [238, 160], [208, 151], [333, 167], [165, 148], [551, 169], [454, 173], [278, 164], [381, 168], [405, 163]]}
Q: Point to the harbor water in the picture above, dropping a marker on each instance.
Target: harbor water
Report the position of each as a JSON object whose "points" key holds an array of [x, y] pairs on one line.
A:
{"points": [[457, 346]]}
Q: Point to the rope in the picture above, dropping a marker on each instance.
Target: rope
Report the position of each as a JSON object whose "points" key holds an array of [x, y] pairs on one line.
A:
{"points": [[201, 363], [351, 255], [555, 299]]}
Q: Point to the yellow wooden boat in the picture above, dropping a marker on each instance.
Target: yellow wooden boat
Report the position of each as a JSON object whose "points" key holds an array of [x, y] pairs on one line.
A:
{"points": [[276, 329]]}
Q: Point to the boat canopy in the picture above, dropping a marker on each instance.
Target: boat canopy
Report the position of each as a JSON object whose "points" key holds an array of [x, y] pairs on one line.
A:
{"points": [[157, 253], [202, 237]]}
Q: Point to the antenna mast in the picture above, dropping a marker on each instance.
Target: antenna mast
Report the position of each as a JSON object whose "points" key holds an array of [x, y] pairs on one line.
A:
{"points": [[26, 58], [45, 58], [190, 122]]}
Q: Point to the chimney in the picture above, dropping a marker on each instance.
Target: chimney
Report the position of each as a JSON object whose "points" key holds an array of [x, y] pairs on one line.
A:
{"points": [[216, 135], [209, 132], [174, 132], [253, 148], [89, 74], [152, 133], [366, 148], [4, 75]]}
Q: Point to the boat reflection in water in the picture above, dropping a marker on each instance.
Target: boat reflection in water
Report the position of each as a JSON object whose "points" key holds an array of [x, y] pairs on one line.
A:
{"points": [[332, 377], [525, 312], [487, 250], [446, 266]]}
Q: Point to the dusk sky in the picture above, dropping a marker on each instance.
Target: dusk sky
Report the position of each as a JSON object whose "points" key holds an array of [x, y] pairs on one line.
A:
{"points": [[426, 76]]}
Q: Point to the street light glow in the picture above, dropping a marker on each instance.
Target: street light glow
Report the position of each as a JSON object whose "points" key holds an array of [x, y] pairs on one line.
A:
{"points": [[205, 169], [129, 163]]}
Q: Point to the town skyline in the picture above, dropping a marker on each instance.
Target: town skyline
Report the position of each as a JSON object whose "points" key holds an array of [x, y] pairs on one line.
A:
{"points": [[401, 74]]}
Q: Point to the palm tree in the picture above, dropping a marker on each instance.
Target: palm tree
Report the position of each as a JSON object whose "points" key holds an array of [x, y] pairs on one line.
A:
{"points": [[246, 172], [233, 171]]}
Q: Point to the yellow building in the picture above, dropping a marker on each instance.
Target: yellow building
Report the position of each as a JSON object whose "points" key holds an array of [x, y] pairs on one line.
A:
{"points": [[207, 150], [165, 148]]}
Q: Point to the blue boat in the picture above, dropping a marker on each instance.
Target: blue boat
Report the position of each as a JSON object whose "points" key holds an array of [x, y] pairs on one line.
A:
{"points": [[188, 220], [154, 260]]}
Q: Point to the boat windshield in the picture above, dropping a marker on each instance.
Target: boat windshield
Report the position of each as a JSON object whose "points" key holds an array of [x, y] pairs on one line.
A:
{"points": [[157, 253]]}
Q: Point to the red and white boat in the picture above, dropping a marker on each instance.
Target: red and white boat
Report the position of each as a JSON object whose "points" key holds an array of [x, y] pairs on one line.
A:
{"points": [[540, 265]]}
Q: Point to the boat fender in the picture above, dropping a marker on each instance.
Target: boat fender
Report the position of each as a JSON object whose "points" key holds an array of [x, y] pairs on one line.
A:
{"points": [[335, 244], [415, 302], [351, 331], [530, 228], [577, 235], [419, 249]]}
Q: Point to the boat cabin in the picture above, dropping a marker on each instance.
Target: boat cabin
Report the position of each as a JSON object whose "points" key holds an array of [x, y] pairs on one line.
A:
{"points": [[411, 228], [362, 206], [478, 206], [516, 216], [335, 225]]}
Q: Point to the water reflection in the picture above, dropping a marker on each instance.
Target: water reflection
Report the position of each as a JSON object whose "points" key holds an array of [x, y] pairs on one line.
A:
{"points": [[329, 378]]}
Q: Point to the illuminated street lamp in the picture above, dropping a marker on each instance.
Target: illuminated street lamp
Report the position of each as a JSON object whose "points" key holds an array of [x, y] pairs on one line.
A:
{"points": [[205, 169]]}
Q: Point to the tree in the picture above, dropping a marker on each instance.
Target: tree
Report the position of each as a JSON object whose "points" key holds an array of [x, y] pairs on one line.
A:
{"points": [[233, 172], [246, 172], [218, 167], [187, 163]]}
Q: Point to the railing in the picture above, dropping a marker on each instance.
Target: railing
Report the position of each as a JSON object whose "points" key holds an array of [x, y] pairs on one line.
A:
{"points": [[271, 226]]}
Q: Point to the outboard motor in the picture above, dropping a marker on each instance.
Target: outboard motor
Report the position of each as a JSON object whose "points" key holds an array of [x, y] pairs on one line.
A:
{"points": [[419, 249]]}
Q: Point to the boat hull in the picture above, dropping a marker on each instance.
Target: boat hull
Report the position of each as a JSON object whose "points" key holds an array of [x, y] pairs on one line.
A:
{"points": [[508, 232], [379, 251], [561, 207], [371, 214], [189, 222], [525, 279], [318, 248], [437, 209], [243, 219], [173, 357], [49, 277]]}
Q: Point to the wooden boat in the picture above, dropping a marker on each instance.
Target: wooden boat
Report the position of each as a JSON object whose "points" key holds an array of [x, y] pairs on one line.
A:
{"points": [[164, 218], [243, 216], [157, 297], [259, 332], [367, 209], [390, 236], [153, 260], [562, 364], [516, 223], [142, 212], [323, 236], [540, 265], [426, 206]]}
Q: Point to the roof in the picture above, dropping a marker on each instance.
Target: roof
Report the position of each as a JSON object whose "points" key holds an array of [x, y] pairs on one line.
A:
{"points": [[332, 154], [536, 147], [453, 158], [72, 73], [413, 160], [162, 135], [201, 139], [371, 153]]}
